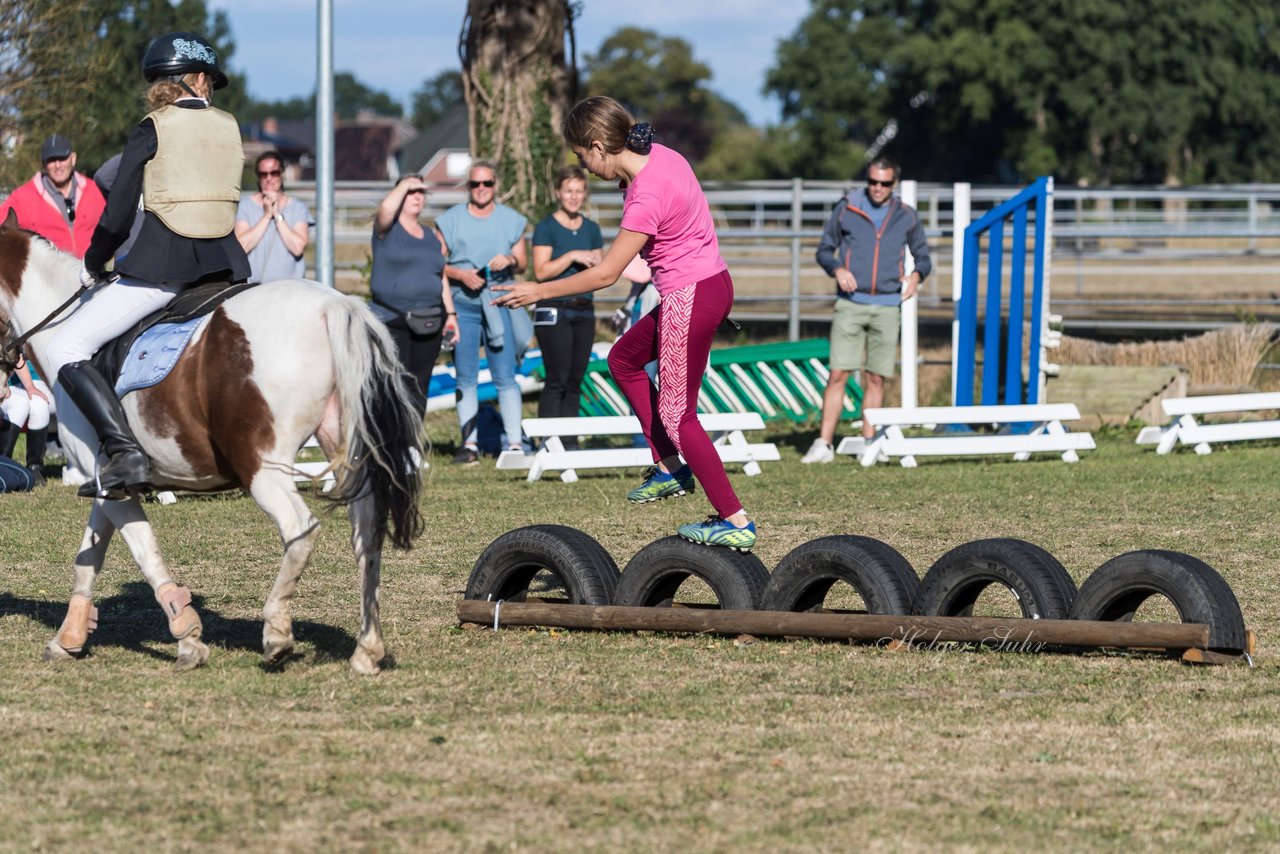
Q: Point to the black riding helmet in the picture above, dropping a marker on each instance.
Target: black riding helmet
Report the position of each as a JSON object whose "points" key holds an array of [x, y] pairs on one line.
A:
{"points": [[175, 54]]}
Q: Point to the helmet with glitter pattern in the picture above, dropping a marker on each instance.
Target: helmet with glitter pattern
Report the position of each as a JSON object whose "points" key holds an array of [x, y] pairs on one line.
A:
{"points": [[174, 54]]}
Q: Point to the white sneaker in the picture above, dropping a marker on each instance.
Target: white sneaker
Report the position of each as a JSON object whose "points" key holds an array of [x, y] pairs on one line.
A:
{"points": [[819, 452]]}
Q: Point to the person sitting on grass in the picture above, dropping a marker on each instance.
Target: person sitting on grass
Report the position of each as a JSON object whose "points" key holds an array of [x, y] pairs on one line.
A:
{"points": [[29, 404]]}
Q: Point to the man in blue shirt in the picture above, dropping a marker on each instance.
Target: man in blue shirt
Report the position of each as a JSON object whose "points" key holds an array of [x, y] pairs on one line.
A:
{"points": [[863, 248]]}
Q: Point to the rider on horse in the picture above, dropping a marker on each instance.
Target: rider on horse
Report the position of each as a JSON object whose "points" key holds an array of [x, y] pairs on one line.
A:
{"points": [[185, 161]]}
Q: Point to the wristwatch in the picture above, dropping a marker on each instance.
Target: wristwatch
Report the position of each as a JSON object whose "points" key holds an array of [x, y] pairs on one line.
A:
{"points": [[279, 217]]}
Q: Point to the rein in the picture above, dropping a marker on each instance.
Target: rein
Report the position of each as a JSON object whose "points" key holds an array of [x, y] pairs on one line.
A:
{"points": [[15, 346]]}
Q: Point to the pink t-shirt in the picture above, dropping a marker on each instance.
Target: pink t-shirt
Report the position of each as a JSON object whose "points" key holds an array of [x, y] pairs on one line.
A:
{"points": [[666, 202]]}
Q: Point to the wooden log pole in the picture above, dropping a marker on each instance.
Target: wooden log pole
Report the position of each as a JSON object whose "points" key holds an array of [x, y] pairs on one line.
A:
{"points": [[1209, 657], [913, 632]]}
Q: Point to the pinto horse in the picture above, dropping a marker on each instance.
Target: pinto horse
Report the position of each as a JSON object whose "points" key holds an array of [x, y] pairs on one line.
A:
{"points": [[267, 369]]}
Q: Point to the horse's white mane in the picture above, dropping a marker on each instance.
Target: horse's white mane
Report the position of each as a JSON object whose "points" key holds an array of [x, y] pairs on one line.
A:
{"points": [[60, 270]]}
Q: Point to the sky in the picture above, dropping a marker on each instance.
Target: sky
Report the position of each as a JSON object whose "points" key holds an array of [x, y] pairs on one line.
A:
{"points": [[395, 45]]}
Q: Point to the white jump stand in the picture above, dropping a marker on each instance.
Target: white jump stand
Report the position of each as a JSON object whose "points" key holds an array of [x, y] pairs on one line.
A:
{"points": [[1048, 435], [726, 430], [1184, 429]]}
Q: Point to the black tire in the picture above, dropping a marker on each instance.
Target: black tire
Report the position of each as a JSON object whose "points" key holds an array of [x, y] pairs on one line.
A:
{"points": [[952, 585], [504, 570], [1119, 587], [883, 578], [652, 577]]}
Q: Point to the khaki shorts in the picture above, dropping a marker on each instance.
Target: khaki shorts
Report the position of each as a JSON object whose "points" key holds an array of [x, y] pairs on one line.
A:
{"points": [[857, 328]]}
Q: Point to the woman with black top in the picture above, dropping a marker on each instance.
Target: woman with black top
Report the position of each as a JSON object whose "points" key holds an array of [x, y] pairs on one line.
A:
{"points": [[409, 292], [183, 161], [564, 243]]}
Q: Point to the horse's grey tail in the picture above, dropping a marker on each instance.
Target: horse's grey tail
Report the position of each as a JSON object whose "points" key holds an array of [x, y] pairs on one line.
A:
{"points": [[381, 427]]}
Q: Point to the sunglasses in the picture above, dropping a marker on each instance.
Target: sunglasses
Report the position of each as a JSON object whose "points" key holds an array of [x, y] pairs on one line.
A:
{"points": [[416, 193], [271, 173], [871, 182], [474, 184]]}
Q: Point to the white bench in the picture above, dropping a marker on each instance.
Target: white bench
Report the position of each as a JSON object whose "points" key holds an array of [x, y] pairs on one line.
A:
{"points": [[726, 430], [1047, 435], [1186, 430]]}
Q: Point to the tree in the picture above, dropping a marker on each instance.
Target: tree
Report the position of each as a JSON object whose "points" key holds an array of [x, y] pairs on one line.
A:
{"points": [[1102, 91], [437, 96], [297, 108], [35, 79], [124, 29], [75, 67], [839, 81], [517, 84], [657, 78], [745, 153], [351, 98]]}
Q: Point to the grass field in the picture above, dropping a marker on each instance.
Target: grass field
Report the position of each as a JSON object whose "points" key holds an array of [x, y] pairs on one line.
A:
{"points": [[555, 740]]}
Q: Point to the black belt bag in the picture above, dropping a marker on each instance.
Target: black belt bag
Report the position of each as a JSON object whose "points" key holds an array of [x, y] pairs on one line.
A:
{"points": [[425, 321]]}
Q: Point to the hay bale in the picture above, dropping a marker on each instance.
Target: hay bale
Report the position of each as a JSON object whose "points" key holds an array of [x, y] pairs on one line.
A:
{"points": [[1223, 357]]}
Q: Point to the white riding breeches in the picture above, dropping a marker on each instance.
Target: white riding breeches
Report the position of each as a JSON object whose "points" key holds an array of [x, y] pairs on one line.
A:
{"points": [[108, 312], [22, 409]]}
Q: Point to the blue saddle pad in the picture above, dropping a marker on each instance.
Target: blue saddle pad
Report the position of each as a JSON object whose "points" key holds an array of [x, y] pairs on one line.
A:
{"points": [[154, 354]]}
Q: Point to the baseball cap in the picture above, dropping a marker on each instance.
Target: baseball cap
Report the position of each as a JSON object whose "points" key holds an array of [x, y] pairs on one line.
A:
{"points": [[56, 147]]}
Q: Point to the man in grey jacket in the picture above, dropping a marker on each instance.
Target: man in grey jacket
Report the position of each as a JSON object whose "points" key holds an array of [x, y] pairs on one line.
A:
{"points": [[864, 249]]}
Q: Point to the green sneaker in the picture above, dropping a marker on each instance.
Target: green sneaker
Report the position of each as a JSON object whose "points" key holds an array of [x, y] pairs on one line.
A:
{"points": [[717, 532], [658, 485]]}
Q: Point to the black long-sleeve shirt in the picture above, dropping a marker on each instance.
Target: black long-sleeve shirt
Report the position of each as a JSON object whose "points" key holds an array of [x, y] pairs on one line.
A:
{"points": [[158, 255]]}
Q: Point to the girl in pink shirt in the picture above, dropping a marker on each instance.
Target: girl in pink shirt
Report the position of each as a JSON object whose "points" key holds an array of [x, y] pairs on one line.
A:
{"points": [[665, 219]]}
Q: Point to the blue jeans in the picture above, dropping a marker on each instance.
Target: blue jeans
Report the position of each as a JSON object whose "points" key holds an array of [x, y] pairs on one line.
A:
{"points": [[502, 365]]}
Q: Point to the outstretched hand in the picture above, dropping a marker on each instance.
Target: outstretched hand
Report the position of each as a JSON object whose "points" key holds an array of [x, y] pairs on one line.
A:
{"points": [[516, 294]]}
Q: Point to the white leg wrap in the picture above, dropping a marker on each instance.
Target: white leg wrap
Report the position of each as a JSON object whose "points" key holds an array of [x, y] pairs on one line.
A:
{"points": [[175, 601], [81, 620]]}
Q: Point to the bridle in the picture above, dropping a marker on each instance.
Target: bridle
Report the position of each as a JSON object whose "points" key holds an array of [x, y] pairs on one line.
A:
{"points": [[10, 363]]}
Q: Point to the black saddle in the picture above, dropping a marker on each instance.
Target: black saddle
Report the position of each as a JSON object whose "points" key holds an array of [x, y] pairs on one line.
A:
{"points": [[195, 301]]}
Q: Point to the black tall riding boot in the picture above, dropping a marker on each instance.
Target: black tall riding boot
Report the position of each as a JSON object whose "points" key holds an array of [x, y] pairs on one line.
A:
{"points": [[37, 440], [128, 471], [8, 438]]}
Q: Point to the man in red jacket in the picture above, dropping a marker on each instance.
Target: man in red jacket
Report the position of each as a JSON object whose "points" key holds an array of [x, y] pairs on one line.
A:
{"points": [[63, 206], [59, 203]]}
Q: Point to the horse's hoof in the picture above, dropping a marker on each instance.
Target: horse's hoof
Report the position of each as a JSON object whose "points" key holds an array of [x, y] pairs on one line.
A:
{"points": [[364, 664], [185, 662], [55, 651], [274, 652], [191, 654]]}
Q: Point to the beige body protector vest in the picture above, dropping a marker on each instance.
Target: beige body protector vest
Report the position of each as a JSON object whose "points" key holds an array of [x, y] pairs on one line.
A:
{"points": [[195, 196]]}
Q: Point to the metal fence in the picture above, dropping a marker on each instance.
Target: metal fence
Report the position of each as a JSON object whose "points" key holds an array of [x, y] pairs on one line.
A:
{"points": [[760, 208], [1122, 257], [1126, 256]]}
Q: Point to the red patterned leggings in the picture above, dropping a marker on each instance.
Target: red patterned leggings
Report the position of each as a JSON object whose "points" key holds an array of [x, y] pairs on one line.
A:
{"points": [[678, 334]]}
